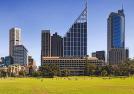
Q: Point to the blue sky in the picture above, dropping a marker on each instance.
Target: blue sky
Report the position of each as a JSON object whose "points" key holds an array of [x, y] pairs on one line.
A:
{"points": [[32, 16]]}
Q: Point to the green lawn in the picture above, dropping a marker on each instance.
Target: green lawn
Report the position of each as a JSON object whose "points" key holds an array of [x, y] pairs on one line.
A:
{"points": [[70, 85]]}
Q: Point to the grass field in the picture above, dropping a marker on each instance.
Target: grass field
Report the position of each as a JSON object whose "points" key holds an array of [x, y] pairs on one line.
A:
{"points": [[70, 85]]}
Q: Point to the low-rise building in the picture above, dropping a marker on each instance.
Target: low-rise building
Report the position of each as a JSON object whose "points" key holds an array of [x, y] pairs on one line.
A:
{"points": [[15, 69], [31, 67], [75, 66], [99, 54]]}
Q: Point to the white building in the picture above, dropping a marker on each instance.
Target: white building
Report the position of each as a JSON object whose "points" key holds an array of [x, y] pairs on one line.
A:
{"points": [[14, 39]]}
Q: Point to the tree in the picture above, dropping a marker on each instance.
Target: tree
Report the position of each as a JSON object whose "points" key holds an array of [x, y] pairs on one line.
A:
{"points": [[124, 69], [65, 73], [49, 70], [3, 73], [90, 69], [22, 73], [36, 74], [104, 73]]}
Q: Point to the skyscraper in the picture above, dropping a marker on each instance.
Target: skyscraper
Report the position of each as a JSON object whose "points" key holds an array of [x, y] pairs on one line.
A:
{"points": [[56, 45], [14, 39], [116, 37], [46, 43], [17, 51], [75, 40]]}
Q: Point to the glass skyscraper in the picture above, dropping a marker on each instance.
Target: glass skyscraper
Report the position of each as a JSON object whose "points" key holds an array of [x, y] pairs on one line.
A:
{"points": [[75, 40], [116, 37], [116, 23]]}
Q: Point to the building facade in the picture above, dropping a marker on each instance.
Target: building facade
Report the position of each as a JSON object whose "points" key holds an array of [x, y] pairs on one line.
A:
{"points": [[75, 40], [31, 65], [76, 66], [15, 69], [99, 54], [46, 43], [20, 55], [127, 54], [74, 47], [116, 37], [56, 45], [14, 39], [8, 60]]}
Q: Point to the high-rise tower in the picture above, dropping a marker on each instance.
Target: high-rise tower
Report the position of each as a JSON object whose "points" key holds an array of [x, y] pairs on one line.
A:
{"points": [[14, 39], [16, 50], [75, 40], [46, 43], [56, 45], [116, 37]]}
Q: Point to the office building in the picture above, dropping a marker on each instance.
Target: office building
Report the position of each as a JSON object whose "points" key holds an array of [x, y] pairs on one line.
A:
{"points": [[94, 54], [14, 39], [45, 43], [20, 55], [8, 60], [0, 61], [99, 54], [74, 48], [75, 40], [116, 37], [75, 66], [127, 54], [31, 65], [56, 45]]}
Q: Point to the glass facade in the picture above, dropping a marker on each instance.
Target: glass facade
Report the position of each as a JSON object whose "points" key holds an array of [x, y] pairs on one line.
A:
{"points": [[118, 30], [75, 40], [20, 55], [8, 60], [116, 38]]}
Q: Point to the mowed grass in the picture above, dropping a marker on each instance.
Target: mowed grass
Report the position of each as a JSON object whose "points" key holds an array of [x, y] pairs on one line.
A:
{"points": [[67, 85]]}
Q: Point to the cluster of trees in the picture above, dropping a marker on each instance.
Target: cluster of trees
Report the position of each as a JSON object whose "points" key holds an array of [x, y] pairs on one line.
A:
{"points": [[122, 69], [51, 70], [4, 73]]}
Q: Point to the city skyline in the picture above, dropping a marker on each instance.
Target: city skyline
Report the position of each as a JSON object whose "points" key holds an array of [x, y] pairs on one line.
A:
{"points": [[93, 43]]}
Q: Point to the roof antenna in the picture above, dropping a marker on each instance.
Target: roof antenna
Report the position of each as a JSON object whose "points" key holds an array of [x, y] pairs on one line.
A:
{"points": [[85, 3], [122, 7]]}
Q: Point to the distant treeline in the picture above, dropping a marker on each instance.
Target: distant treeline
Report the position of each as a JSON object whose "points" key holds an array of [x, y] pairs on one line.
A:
{"points": [[122, 69], [51, 70]]}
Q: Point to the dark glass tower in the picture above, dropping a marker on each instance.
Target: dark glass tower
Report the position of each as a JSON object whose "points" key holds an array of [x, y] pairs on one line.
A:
{"points": [[116, 37], [75, 40], [46, 43], [56, 45]]}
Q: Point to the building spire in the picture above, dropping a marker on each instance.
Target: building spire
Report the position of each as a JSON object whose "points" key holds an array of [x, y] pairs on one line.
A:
{"points": [[85, 3], [122, 7]]}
